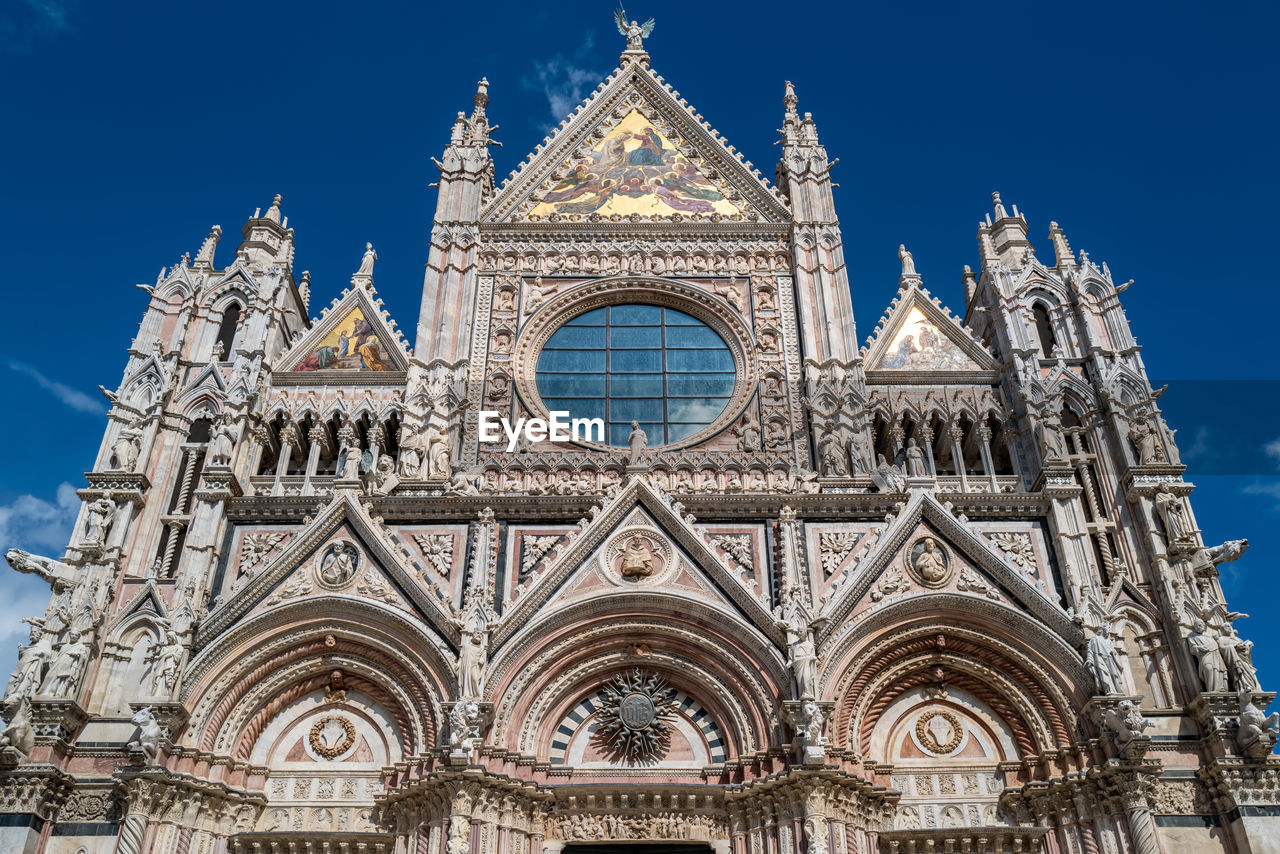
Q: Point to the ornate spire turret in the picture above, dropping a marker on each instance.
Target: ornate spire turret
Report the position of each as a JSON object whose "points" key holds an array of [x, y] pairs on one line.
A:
{"points": [[268, 240], [1003, 239]]}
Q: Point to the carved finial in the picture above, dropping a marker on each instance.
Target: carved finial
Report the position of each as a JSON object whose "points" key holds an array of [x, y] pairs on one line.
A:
{"points": [[1001, 213], [304, 290], [481, 99], [459, 133], [273, 212], [790, 130]]}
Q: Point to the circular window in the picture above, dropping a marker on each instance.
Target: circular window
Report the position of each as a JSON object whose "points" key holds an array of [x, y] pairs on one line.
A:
{"points": [[660, 367]]}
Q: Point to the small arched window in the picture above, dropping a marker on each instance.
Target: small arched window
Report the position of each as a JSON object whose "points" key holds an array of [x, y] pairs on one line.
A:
{"points": [[227, 329], [1044, 329]]}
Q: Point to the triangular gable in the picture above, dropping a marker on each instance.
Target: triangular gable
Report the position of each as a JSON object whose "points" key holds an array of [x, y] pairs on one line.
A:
{"points": [[353, 337], [923, 507], [389, 556], [568, 559], [635, 150], [917, 334]]}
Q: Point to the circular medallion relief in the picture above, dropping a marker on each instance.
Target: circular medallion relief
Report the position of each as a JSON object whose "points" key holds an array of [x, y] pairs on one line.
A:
{"points": [[939, 732], [637, 554], [928, 562], [636, 711], [337, 565], [332, 736]]}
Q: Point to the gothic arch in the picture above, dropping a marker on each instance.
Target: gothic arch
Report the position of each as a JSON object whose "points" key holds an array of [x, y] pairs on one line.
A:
{"points": [[1012, 663], [545, 670], [240, 681]]}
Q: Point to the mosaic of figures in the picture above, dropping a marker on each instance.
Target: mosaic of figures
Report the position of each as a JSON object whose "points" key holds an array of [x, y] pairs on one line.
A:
{"points": [[352, 345], [635, 169]]}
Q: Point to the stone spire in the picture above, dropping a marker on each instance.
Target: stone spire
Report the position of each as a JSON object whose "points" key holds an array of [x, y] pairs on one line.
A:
{"points": [[204, 258], [804, 178], [477, 126], [1061, 248]]}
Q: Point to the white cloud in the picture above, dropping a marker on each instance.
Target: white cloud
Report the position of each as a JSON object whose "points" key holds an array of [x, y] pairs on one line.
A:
{"points": [[74, 398], [565, 80], [1272, 449], [38, 526]]}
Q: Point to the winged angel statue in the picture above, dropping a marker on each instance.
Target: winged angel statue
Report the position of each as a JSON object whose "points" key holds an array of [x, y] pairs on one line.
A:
{"points": [[635, 33]]}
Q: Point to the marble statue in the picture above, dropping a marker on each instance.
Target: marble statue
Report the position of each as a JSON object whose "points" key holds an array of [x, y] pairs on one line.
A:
{"points": [[1203, 643], [637, 441], [635, 33], [125, 449], [18, 734], [165, 671], [67, 668], [1258, 731], [908, 262], [1100, 658], [915, 460], [147, 741], [366, 262], [804, 665], [1126, 722], [33, 660], [1173, 514], [887, 477], [223, 443], [351, 463], [1146, 440], [101, 514]]}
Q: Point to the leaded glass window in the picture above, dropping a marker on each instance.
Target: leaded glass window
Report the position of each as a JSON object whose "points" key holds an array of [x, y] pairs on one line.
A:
{"points": [[658, 366]]}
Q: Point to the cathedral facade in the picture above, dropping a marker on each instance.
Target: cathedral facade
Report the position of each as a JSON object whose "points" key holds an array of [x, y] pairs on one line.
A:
{"points": [[721, 579]]}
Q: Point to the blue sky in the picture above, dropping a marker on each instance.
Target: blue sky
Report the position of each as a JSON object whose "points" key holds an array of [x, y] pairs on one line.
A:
{"points": [[1149, 136]]}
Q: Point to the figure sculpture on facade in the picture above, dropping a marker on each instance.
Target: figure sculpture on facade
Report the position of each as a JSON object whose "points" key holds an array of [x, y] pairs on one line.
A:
{"points": [[100, 516], [636, 33], [637, 442], [33, 660], [165, 670], [908, 262], [366, 261], [67, 668], [18, 734], [1173, 514], [1101, 658], [1212, 667], [1127, 723], [1258, 731], [931, 563], [832, 452], [888, 477], [748, 432], [915, 460], [223, 443], [147, 742], [351, 463], [125, 449], [1146, 440], [803, 661]]}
